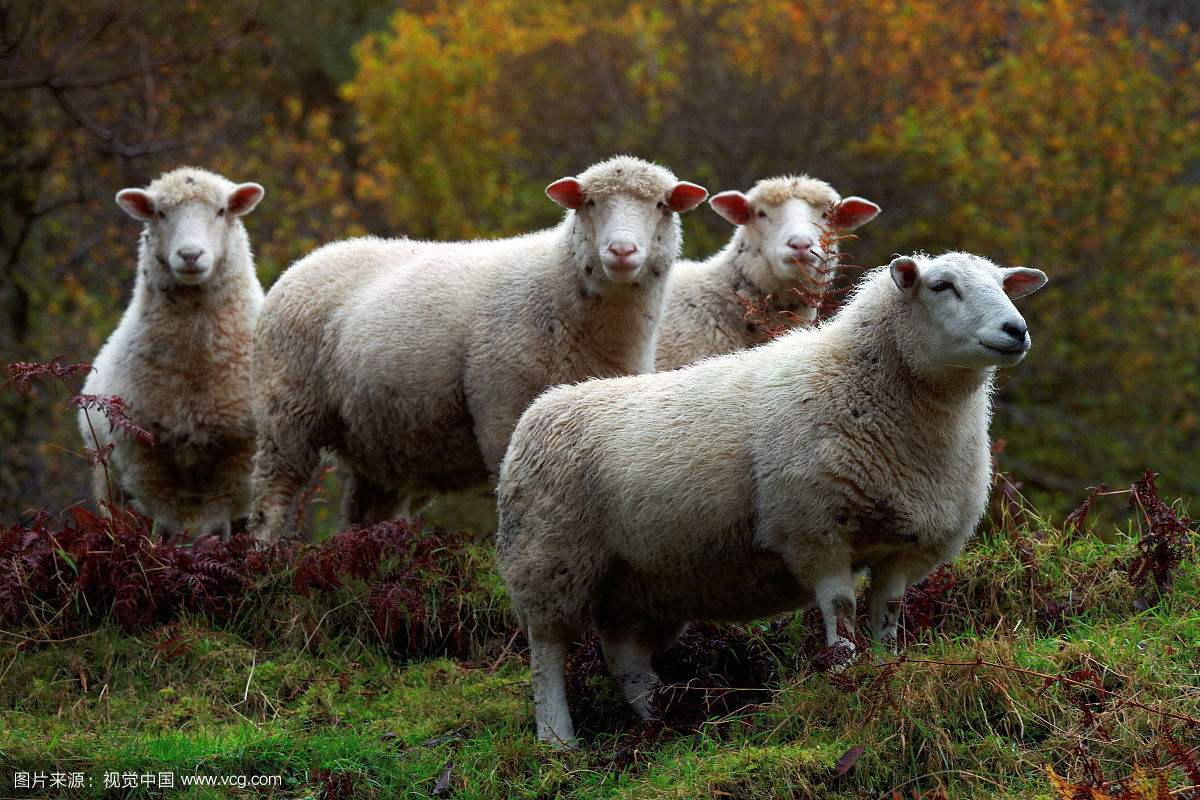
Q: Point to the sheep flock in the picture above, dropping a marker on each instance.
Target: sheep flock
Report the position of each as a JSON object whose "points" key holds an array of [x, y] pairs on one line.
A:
{"points": [[657, 460]]}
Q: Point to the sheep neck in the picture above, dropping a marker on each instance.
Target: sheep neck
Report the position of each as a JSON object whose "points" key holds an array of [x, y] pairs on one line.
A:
{"points": [[874, 326]]}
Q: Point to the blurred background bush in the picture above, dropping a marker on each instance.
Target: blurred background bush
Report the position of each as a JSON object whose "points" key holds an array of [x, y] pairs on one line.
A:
{"points": [[1062, 134]]}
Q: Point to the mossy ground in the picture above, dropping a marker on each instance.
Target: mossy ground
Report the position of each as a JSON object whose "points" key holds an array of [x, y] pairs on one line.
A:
{"points": [[336, 716]]}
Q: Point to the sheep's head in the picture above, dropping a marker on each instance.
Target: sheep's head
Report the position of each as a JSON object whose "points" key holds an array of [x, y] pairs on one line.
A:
{"points": [[626, 215], [793, 221], [189, 214], [961, 310]]}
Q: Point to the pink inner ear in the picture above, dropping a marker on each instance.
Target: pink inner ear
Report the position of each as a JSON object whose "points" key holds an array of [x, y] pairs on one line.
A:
{"points": [[137, 201], [1019, 283], [243, 199], [908, 273], [733, 206], [567, 192], [686, 196], [853, 212]]}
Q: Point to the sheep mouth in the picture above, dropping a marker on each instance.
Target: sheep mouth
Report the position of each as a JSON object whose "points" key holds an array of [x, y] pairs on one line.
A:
{"points": [[1015, 351], [621, 271], [805, 262]]}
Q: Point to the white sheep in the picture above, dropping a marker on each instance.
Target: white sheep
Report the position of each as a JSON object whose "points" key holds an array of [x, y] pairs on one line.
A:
{"points": [[783, 254], [180, 357], [761, 481], [412, 361]]}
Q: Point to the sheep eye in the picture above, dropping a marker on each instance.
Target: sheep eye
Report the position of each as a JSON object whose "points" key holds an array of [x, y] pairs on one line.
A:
{"points": [[590, 203], [220, 212], [762, 215], [942, 286], [161, 215], [662, 206]]}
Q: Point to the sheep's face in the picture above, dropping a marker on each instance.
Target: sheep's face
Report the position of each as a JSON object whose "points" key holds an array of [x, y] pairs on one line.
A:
{"points": [[965, 317], [796, 239], [189, 237], [625, 228]]}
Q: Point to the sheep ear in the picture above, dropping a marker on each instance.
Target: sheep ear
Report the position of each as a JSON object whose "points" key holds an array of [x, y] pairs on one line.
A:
{"points": [[567, 192], [733, 206], [244, 198], [905, 272], [686, 196], [1020, 281], [137, 203], [853, 212]]}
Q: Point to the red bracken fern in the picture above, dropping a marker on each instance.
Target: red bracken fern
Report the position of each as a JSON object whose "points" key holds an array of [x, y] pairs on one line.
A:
{"points": [[1073, 523], [767, 322], [770, 322], [414, 581], [58, 573], [1166, 540], [22, 375], [115, 410]]}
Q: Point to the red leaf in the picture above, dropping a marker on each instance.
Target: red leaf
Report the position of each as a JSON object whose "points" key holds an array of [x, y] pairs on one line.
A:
{"points": [[445, 781], [848, 758]]}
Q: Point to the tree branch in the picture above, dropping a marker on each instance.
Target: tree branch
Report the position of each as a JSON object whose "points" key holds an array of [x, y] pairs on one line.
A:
{"points": [[62, 81]]}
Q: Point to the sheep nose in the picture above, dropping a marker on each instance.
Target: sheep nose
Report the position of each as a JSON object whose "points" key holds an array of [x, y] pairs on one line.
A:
{"points": [[622, 248], [800, 243], [1016, 330], [190, 254]]}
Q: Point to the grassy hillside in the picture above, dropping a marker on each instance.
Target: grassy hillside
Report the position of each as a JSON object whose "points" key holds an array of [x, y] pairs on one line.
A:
{"points": [[1035, 650]]}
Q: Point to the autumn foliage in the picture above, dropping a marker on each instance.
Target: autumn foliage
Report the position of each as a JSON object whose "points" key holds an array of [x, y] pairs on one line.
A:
{"points": [[1061, 134]]}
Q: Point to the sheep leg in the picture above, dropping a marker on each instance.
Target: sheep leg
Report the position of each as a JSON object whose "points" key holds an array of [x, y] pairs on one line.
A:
{"points": [[835, 597], [365, 502], [413, 504], [221, 529], [888, 583], [547, 670], [280, 475], [628, 657]]}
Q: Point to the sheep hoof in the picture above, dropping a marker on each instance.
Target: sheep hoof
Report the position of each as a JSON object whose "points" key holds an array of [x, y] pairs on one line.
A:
{"points": [[835, 658]]}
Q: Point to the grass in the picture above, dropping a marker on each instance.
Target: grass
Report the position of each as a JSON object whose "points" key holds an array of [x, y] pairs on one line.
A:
{"points": [[285, 688]]}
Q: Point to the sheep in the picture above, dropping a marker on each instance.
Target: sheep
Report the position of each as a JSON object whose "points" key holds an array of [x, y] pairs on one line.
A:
{"points": [[411, 361], [180, 356], [782, 255], [639, 504]]}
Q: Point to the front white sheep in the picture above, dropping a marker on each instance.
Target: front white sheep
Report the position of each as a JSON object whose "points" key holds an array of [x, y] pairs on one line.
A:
{"points": [[781, 257], [761, 481], [180, 356], [412, 361]]}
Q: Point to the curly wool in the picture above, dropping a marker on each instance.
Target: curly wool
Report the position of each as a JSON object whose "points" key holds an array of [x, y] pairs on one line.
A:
{"points": [[180, 358], [629, 175], [777, 191], [412, 361], [739, 487], [190, 183]]}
